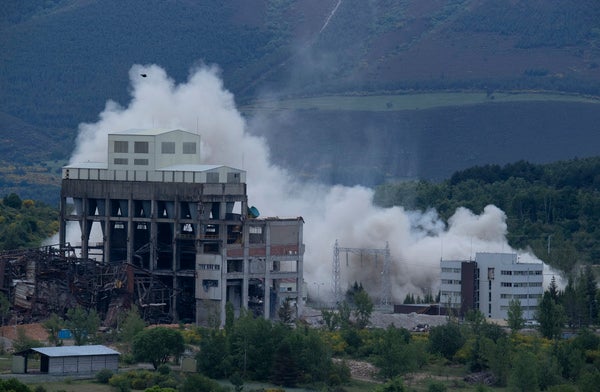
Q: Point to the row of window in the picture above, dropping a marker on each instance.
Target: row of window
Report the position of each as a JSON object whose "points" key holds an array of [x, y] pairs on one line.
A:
{"points": [[450, 281], [520, 272], [522, 284], [453, 270], [122, 146], [523, 308], [444, 293], [520, 296], [209, 267], [125, 161]]}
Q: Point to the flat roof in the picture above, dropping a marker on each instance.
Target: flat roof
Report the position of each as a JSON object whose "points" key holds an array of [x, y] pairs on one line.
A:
{"points": [[190, 168], [75, 351], [87, 165], [148, 132]]}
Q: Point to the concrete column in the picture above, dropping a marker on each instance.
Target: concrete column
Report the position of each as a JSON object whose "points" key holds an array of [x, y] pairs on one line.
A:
{"points": [[153, 234], [175, 264], [84, 227], [268, 266], [300, 274], [62, 228], [107, 225], [130, 242]]}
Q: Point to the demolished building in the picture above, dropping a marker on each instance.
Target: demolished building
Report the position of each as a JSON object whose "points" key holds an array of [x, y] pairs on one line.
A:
{"points": [[173, 236]]}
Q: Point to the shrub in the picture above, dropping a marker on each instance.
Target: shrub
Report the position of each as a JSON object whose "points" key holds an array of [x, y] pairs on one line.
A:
{"points": [[104, 375], [120, 382], [164, 369]]}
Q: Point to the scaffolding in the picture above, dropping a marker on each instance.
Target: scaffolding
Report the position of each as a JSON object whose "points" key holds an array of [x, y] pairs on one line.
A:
{"points": [[385, 295]]}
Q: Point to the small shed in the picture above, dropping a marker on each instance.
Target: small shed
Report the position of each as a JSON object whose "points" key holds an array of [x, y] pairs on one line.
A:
{"points": [[71, 359]]}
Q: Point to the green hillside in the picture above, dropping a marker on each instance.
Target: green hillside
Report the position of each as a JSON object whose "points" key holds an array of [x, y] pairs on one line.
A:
{"points": [[360, 66], [553, 209]]}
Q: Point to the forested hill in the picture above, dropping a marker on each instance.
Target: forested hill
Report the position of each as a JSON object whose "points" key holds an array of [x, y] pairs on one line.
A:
{"points": [[553, 208], [62, 59]]}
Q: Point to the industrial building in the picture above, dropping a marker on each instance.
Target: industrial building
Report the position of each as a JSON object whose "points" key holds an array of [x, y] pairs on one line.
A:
{"points": [[68, 359], [489, 283], [184, 230]]}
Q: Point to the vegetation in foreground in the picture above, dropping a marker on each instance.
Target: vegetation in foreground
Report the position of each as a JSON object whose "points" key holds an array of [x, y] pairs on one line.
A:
{"points": [[468, 354]]}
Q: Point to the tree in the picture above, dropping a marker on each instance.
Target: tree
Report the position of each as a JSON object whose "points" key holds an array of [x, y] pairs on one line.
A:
{"points": [[131, 326], [229, 317], [524, 374], [83, 324], [285, 312], [285, 369], [515, 315], [446, 339], [214, 358], [363, 308], [13, 385], [13, 201], [394, 385], [53, 325], [200, 383], [395, 355], [551, 317], [24, 342], [157, 345]]}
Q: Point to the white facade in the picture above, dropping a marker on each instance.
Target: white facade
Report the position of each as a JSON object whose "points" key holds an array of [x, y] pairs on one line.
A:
{"points": [[502, 278], [156, 155], [498, 279], [450, 288], [152, 149]]}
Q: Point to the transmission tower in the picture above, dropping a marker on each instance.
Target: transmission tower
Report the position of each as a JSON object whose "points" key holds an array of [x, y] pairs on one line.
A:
{"points": [[386, 287]]}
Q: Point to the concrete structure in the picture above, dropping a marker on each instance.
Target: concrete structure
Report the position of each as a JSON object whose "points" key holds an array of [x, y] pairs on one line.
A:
{"points": [[69, 359], [489, 284], [187, 225]]}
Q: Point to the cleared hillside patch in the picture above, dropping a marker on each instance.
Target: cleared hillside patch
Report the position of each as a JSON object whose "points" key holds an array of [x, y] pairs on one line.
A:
{"points": [[409, 101]]}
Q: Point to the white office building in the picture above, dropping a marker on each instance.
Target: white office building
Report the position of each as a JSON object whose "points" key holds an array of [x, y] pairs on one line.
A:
{"points": [[489, 284]]}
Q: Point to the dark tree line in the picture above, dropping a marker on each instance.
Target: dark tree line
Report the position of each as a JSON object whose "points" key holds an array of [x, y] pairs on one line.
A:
{"points": [[552, 208]]}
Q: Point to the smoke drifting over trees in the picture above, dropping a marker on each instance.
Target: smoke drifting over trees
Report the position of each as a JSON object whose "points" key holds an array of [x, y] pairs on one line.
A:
{"points": [[417, 239]]}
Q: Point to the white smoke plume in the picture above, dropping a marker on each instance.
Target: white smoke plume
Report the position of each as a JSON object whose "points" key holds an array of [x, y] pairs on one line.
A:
{"points": [[417, 240]]}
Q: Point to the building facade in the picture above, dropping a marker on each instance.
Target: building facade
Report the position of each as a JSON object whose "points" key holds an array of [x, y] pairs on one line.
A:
{"points": [[185, 229], [489, 284]]}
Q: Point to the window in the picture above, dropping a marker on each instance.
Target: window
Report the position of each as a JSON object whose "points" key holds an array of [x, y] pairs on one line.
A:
{"points": [[233, 178], [255, 230], [189, 147], [167, 147], [212, 178], [121, 146], [121, 161], [209, 267], [140, 147], [208, 283], [140, 162]]}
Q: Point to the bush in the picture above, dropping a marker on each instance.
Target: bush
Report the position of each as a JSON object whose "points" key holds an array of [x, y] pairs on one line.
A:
{"points": [[127, 359], [120, 382], [436, 386], [104, 375], [164, 369]]}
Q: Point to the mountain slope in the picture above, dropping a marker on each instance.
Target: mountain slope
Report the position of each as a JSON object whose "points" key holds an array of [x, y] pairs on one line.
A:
{"points": [[63, 59]]}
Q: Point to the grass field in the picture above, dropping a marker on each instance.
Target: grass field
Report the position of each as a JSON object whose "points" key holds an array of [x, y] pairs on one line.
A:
{"points": [[408, 101]]}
